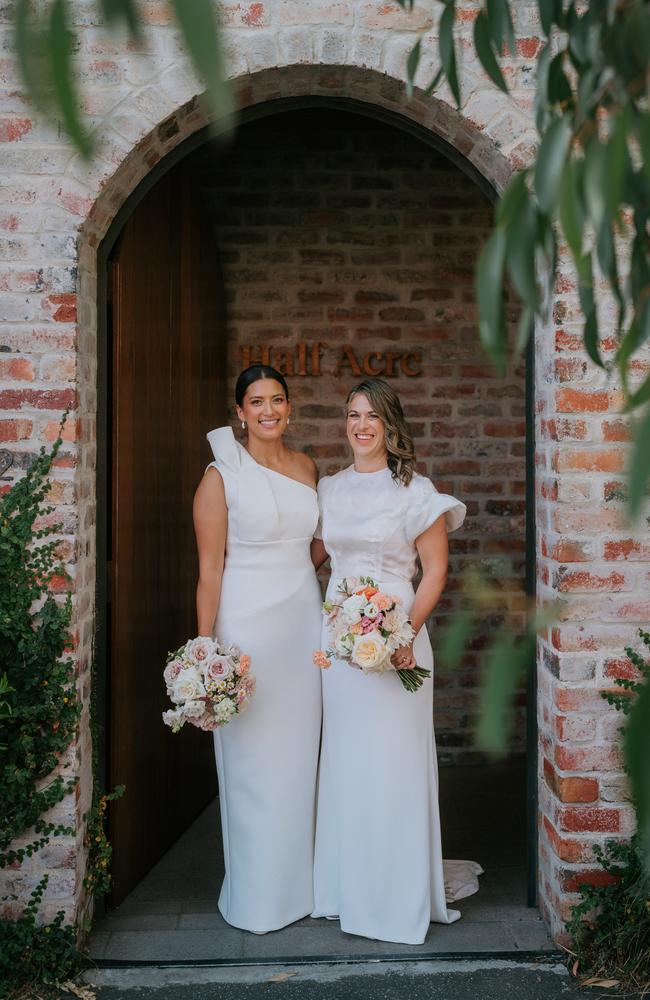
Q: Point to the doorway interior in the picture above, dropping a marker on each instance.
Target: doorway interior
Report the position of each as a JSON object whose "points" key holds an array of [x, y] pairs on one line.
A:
{"points": [[319, 224]]}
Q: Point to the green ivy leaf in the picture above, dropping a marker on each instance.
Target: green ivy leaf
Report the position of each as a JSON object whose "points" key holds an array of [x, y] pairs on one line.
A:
{"points": [[483, 44], [447, 49], [550, 163]]}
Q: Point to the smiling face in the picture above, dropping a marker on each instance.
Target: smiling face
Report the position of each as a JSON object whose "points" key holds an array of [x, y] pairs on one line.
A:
{"points": [[266, 409], [365, 430]]}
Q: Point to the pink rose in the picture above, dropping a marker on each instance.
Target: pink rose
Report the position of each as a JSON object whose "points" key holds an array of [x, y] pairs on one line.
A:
{"points": [[207, 722], [200, 649], [172, 670], [243, 666], [383, 601], [218, 668]]}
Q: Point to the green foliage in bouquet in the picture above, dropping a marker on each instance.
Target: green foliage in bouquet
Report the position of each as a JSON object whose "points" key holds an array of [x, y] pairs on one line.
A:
{"points": [[610, 926]]}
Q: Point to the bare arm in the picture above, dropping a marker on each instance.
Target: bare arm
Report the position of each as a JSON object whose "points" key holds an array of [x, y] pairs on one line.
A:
{"points": [[210, 527], [319, 554], [433, 550]]}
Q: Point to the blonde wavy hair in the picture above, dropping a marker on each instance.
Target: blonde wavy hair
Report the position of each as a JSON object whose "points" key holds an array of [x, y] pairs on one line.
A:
{"points": [[399, 443]]}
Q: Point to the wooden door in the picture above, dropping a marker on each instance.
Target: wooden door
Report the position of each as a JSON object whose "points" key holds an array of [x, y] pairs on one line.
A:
{"points": [[168, 378]]}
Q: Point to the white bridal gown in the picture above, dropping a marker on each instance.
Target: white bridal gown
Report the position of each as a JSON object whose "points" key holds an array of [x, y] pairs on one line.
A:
{"points": [[378, 864], [267, 759]]}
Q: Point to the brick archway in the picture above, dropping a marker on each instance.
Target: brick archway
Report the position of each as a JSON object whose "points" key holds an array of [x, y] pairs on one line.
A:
{"points": [[273, 91]]}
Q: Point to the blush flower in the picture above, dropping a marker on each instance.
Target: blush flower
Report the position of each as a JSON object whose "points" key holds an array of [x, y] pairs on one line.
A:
{"points": [[218, 668], [321, 660], [243, 666], [200, 649]]}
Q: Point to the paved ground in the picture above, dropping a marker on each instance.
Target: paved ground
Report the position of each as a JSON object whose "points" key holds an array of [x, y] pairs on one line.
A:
{"points": [[486, 980], [172, 914]]}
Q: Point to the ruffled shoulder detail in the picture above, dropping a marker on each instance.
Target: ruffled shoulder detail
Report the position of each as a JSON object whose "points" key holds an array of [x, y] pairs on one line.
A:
{"points": [[226, 450], [427, 505]]}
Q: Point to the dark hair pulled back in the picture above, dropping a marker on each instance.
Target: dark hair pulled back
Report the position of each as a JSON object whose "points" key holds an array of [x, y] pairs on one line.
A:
{"points": [[252, 374]]}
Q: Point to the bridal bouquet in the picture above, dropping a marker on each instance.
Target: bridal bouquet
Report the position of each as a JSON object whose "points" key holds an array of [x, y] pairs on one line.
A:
{"points": [[365, 628], [208, 682]]}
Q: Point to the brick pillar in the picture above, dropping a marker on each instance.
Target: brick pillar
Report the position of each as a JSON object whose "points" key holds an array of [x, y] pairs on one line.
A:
{"points": [[588, 557]]}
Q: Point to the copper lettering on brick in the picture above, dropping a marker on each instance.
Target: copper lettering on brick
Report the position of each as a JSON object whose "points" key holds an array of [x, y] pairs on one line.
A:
{"points": [[305, 359]]}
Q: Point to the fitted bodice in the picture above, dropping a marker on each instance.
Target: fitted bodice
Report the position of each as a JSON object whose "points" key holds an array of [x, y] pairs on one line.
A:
{"points": [[266, 509], [369, 522]]}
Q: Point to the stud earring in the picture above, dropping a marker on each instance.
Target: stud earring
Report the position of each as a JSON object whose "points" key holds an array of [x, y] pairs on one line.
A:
{"points": [[288, 420], [243, 425]]}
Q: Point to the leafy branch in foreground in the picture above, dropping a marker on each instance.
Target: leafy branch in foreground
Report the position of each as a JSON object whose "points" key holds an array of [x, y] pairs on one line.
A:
{"points": [[589, 186], [45, 43]]}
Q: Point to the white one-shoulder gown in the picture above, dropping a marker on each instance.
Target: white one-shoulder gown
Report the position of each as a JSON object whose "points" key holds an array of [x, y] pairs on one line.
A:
{"points": [[378, 864], [267, 759]]}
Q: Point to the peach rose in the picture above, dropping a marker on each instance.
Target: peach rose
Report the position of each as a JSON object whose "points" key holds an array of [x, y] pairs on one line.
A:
{"points": [[243, 666], [321, 660]]}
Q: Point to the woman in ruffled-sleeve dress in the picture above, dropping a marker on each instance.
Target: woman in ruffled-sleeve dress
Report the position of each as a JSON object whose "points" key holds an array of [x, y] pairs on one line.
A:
{"points": [[255, 513], [378, 864]]}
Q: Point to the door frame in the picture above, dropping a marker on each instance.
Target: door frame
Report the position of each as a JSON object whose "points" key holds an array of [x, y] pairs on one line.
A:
{"points": [[266, 109]]}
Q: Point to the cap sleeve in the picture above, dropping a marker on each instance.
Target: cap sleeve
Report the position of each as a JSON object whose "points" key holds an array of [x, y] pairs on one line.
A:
{"points": [[323, 486], [428, 505]]}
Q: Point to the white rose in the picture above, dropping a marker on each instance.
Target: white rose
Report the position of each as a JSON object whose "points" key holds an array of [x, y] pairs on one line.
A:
{"points": [[173, 718], [225, 710], [193, 709], [187, 686], [353, 607], [371, 610], [369, 652]]}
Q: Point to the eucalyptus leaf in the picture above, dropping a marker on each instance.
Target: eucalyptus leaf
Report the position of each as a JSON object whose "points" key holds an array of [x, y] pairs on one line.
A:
{"points": [[505, 667], [637, 749], [122, 10], [521, 237], [595, 182], [485, 53], [60, 52], [412, 64], [640, 468], [489, 294], [550, 163], [512, 199], [571, 212], [198, 23], [447, 49], [455, 638]]}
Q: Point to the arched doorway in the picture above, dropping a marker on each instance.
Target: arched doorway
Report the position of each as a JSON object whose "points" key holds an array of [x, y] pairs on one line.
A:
{"points": [[304, 265]]}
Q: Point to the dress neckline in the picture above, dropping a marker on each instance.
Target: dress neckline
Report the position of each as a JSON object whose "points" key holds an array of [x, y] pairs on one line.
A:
{"points": [[282, 475], [376, 472]]}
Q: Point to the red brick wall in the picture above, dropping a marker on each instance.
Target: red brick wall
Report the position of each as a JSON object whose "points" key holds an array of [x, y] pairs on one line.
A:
{"points": [[337, 230]]}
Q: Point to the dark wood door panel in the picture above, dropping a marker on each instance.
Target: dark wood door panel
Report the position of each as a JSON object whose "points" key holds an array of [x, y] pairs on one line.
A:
{"points": [[168, 376]]}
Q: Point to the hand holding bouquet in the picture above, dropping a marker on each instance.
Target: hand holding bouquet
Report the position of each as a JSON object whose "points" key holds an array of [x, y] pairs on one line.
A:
{"points": [[208, 682], [366, 626]]}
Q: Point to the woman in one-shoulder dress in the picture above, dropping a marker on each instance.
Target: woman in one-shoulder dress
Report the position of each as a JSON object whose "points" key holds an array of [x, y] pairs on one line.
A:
{"points": [[378, 864], [255, 513]]}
